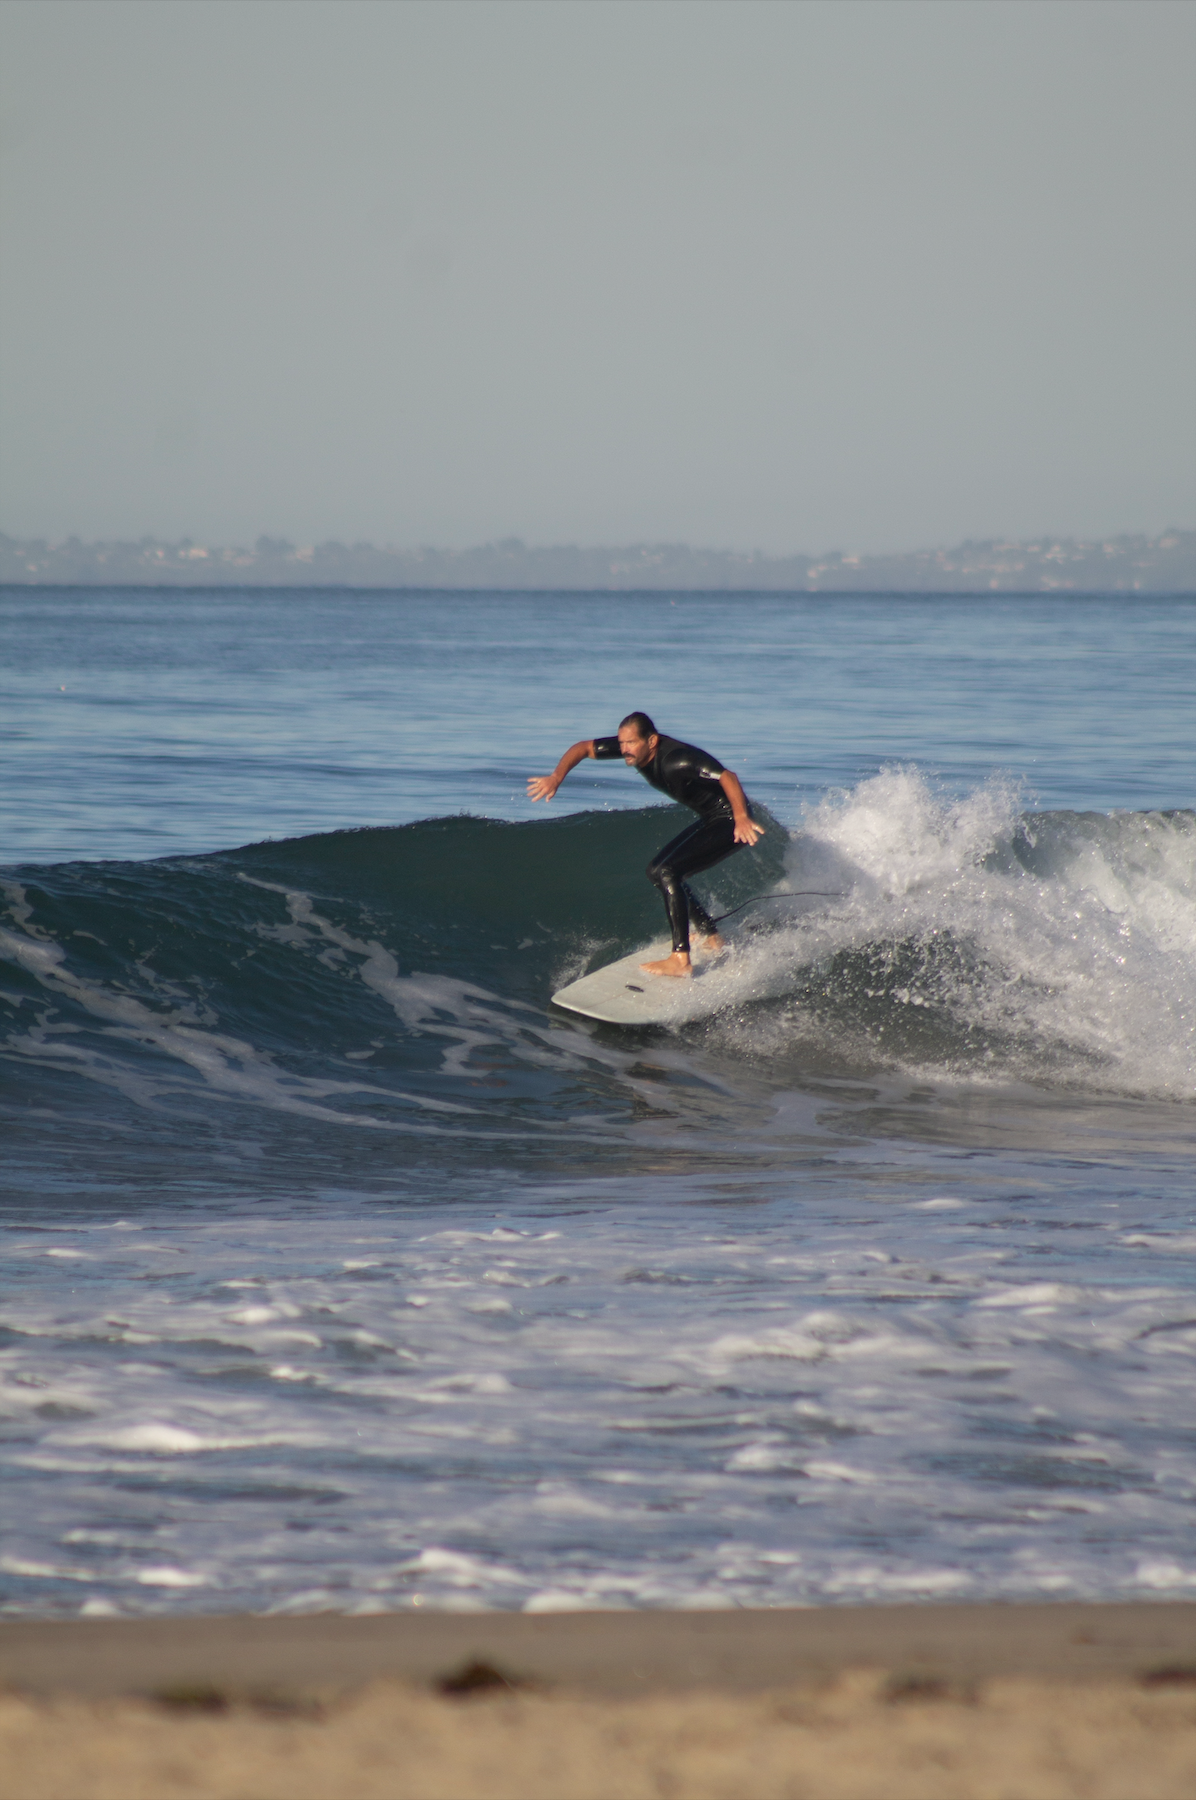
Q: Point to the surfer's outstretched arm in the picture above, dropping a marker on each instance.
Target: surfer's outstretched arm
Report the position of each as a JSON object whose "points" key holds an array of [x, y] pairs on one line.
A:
{"points": [[543, 787]]}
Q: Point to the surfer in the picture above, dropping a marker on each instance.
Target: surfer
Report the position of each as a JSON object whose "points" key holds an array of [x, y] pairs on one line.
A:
{"points": [[696, 780]]}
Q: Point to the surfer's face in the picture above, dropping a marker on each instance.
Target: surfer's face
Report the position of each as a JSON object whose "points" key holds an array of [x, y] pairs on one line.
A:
{"points": [[636, 750]]}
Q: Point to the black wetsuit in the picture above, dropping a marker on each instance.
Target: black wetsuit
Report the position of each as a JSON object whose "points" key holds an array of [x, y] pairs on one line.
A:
{"points": [[688, 775]]}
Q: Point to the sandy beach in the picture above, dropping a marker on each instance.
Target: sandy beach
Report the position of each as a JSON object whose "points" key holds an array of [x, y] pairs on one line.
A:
{"points": [[917, 1703]]}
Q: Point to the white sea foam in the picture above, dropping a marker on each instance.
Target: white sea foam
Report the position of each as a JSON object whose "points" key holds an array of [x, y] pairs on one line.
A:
{"points": [[169, 1577], [753, 1426], [1060, 944]]}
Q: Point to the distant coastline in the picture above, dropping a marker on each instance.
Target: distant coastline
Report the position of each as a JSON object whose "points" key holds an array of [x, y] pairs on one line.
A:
{"points": [[1126, 564]]}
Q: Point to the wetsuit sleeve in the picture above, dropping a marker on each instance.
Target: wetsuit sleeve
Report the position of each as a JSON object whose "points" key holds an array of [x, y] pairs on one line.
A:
{"points": [[605, 749]]}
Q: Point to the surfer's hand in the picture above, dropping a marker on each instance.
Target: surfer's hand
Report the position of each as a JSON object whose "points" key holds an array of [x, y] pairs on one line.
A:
{"points": [[542, 787], [747, 831]]}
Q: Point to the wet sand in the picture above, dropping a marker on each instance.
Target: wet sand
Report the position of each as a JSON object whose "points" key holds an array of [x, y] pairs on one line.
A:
{"points": [[913, 1703]]}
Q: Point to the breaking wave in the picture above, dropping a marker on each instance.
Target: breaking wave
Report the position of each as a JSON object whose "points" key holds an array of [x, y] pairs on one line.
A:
{"points": [[974, 936], [399, 980]]}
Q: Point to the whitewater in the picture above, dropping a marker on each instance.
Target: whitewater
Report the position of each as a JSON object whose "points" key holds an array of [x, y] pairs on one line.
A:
{"points": [[345, 1271]]}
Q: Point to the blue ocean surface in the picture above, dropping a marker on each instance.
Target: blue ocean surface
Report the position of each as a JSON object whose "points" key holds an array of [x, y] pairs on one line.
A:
{"points": [[342, 1270]]}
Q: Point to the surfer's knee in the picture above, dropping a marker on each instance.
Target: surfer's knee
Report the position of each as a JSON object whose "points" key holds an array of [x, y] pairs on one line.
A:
{"points": [[661, 875]]}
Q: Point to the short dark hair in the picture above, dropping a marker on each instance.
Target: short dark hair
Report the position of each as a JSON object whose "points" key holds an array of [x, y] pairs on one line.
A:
{"points": [[642, 723]]}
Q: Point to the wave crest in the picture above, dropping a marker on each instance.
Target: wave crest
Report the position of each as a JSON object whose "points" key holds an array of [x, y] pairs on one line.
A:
{"points": [[974, 936]]}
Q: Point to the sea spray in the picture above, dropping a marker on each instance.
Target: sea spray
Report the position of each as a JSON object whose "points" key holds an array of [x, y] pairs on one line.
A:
{"points": [[975, 938]]}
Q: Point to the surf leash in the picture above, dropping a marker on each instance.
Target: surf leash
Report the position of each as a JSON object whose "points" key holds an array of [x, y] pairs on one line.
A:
{"points": [[781, 894]]}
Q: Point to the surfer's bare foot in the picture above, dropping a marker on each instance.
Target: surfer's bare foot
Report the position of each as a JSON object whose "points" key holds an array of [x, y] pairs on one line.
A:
{"points": [[714, 942], [676, 964]]}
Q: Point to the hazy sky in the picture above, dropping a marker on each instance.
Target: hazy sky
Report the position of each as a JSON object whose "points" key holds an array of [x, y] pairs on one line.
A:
{"points": [[861, 275]]}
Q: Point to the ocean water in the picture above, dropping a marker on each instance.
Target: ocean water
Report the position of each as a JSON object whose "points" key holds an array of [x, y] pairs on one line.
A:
{"points": [[342, 1271]]}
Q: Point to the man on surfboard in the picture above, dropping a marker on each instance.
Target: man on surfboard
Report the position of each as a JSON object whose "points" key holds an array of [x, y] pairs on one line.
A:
{"points": [[696, 780]]}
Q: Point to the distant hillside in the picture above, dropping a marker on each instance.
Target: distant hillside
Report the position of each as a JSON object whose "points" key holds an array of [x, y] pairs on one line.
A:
{"points": [[1117, 565]]}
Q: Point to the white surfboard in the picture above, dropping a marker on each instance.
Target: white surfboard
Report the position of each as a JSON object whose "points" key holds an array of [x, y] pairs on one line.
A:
{"points": [[621, 994]]}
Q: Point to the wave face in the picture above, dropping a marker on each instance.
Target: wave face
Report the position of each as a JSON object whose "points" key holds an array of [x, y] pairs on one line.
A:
{"points": [[372, 982], [399, 980]]}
